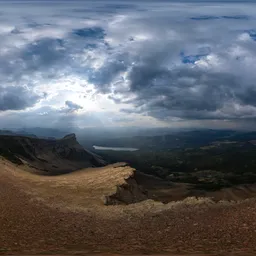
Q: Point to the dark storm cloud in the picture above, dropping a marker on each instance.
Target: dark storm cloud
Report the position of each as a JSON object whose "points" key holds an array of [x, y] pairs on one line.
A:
{"points": [[104, 76], [248, 96], [37, 56], [17, 98], [121, 6], [72, 106], [113, 98], [236, 17], [43, 56], [180, 89], [43, 53], [232, 17], [20, 72], [170, 61], [214, 84], [189, 92], [206, 17]]}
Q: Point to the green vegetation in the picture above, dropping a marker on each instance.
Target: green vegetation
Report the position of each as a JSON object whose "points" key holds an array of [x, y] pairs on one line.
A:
{"points": [[214, 167]]}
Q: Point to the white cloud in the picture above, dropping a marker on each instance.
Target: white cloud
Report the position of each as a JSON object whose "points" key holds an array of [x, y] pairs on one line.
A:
{"points": [[158, 61]]}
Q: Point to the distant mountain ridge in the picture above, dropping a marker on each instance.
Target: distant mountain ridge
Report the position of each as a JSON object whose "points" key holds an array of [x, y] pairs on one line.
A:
{"points": [[15, 133], [152, 139], [53, 156]]}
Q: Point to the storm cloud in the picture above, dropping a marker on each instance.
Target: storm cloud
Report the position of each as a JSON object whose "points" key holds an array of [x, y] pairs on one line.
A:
{"points": [[17, 98], [146, 63], [72, 106]]}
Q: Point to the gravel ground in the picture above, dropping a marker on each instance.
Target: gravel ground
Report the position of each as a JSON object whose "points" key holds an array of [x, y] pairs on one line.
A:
{"points": [[28, 226]]}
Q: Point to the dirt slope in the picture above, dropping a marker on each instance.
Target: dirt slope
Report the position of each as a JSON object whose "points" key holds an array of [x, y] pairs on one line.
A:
{"points": [[52, 156], [35, 221]]}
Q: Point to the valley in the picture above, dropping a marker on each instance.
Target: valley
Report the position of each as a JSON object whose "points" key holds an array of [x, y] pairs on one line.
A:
{"points": [[128, 128]]}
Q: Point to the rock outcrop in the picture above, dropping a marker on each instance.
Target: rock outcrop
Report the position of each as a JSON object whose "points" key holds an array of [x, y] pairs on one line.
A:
{"points": [[127, 193]]}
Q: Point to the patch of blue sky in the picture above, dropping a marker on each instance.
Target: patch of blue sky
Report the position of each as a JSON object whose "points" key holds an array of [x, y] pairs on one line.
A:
{"points": [[251, 33], [92, 33], [192, 58]]}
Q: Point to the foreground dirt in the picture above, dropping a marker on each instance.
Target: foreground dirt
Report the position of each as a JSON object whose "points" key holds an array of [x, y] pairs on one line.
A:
{"points": [[30, 226]]}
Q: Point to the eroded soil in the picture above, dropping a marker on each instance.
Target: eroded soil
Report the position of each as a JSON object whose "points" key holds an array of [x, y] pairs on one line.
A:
{"points": [[31, 226]]}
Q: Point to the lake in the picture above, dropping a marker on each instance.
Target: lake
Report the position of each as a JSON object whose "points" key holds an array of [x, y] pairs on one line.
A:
{"points": [[115, 148]]}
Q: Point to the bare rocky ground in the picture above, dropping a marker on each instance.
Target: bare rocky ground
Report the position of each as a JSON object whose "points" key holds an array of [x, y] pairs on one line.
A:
{"points": [[51, 216]]}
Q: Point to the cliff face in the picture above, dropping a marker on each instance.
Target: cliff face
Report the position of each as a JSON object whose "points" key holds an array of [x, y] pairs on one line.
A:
{"points": [[49, 155], [128, 193]]}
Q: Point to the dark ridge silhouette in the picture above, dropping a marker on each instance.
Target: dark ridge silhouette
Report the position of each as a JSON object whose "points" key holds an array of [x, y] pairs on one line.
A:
{"points": [[53, 156]]}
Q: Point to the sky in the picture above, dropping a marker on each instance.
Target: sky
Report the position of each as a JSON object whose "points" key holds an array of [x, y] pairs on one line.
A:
{"points": [[128, 63]]}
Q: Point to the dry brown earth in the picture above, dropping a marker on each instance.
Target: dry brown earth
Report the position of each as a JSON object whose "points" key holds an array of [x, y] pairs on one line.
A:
{"points": [[66, 215]]}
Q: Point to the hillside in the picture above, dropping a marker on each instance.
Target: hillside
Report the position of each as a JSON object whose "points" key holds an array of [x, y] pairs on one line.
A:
{"points": [[54, 156], [112, 208], [65, 214], [59, 156]]}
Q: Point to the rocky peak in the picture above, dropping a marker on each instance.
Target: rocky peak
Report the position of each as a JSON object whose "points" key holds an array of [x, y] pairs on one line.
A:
{"points": [[70, 136]]}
